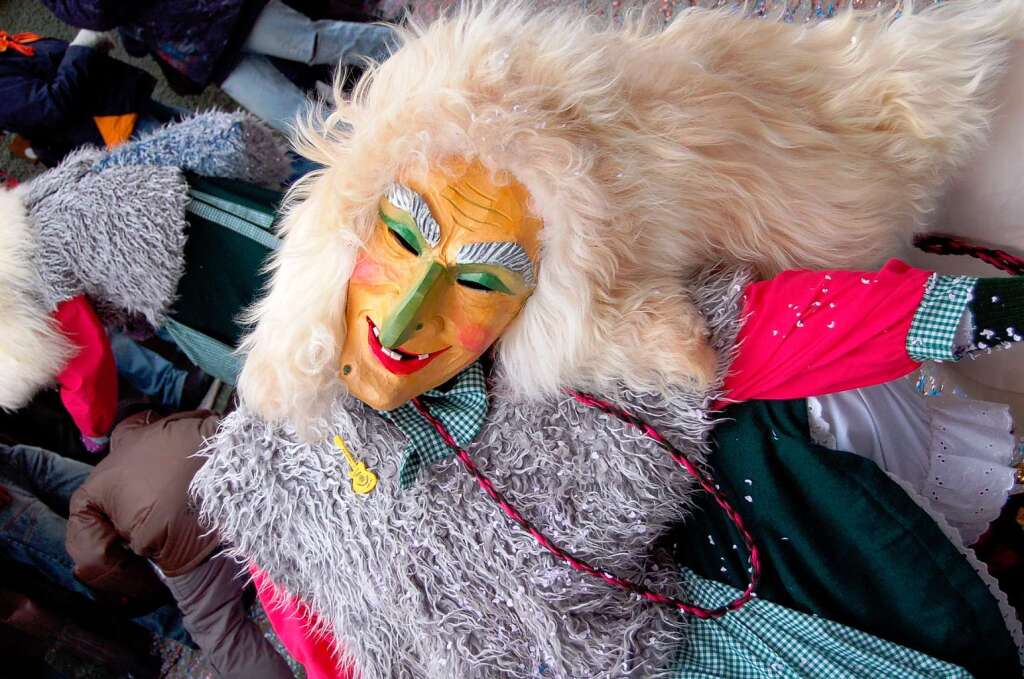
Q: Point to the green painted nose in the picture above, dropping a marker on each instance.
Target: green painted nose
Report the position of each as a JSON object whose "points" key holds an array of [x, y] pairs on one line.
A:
{"points": [[403, 321]]}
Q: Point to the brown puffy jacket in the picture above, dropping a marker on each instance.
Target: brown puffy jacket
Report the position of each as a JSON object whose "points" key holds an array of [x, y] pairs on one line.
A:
{"points": [[134, 506]]}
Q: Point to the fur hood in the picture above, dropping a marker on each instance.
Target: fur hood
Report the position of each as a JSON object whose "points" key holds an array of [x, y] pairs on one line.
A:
{"points": [[32, 350], [648, 152]]}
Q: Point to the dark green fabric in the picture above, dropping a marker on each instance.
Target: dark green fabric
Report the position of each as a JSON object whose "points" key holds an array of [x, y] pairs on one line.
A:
{"points": [[840, 539], [998, 309], [223, 268]]}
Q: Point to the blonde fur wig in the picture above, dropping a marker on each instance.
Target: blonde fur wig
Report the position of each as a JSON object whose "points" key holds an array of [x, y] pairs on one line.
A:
{"points": [[33, 350], [648, 152]]}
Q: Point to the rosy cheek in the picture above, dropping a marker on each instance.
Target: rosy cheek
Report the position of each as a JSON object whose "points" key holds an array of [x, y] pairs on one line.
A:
{"points": [[367, 271], [475, 337]]}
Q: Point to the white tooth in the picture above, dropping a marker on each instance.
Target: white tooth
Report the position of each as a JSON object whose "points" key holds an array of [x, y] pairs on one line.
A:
{"points": [[376, 331], [423, 356], [391, 354]]}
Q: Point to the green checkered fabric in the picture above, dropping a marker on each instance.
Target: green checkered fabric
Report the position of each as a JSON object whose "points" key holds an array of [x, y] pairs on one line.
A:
{"points": [[764, 640], [462, 409], [934, 326]]}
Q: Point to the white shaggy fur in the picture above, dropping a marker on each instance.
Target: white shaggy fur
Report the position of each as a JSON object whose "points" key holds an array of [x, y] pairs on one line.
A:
{"points": [[648, 153], [32, 349]]}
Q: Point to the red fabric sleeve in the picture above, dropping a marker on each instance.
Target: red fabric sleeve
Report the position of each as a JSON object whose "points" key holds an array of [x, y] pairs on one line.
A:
{"points": [[808, 333], [294, 622], [88, 383]]}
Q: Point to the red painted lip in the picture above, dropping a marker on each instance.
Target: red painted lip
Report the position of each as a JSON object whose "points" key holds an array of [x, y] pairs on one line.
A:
{"points": [[408, 364]]}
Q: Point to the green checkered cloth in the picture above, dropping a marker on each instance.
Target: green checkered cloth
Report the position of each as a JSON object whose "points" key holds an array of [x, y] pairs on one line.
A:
{"points": [[764, 640], [462, 409], [932, 332]]}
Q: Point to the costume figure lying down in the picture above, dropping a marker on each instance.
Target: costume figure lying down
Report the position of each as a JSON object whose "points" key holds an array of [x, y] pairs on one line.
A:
{"points": [[557, 192]]}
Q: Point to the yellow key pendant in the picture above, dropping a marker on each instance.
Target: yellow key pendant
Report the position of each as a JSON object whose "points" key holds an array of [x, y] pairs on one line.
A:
{"points": [[363, 480]]}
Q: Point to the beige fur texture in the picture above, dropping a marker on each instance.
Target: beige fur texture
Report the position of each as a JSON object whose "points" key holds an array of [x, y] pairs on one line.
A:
{"points": [[32, 349], [649, 153]]}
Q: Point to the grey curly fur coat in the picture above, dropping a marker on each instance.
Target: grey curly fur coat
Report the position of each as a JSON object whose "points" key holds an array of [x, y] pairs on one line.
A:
{"points": [[433, 581]]}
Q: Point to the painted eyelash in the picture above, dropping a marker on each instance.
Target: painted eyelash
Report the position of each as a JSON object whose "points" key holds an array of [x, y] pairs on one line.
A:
{"points": [[404, 198]]}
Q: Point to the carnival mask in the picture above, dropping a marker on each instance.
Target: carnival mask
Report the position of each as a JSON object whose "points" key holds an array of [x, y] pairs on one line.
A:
{"points": [[450, 263]]}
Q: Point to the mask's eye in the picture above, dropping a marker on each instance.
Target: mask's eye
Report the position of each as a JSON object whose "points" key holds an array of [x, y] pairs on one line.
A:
{"points": [[403, 234], [403, 241], [482, 280]]}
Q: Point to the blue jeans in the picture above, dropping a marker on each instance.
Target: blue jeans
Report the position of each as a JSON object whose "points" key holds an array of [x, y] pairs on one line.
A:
{"points": [[265, 92], [147, 371], [285, 33], [33, 525]]}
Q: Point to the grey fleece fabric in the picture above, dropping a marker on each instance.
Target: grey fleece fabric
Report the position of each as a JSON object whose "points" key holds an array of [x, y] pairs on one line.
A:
{"points": [[111, 224], [210, 599], [433, 581]]}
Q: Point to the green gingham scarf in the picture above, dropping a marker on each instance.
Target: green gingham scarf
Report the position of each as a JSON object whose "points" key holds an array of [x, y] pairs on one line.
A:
{"points": [[462, 409]]}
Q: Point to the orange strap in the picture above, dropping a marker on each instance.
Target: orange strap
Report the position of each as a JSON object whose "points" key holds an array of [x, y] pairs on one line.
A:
{"points": [[18, 42]]}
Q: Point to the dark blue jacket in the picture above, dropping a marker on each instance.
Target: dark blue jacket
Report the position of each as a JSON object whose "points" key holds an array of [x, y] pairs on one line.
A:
{"points": [[51, 97], [195, 41]]}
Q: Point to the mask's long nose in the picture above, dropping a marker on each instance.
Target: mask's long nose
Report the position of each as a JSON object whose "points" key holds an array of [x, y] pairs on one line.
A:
{"points": [[402, 322]]}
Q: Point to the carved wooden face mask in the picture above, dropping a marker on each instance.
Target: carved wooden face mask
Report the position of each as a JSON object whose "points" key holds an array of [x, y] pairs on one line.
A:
{"points": [[450, 263]]}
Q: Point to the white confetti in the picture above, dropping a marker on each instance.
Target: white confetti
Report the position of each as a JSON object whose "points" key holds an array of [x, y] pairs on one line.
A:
{"points": [[828, 277], [799, 324], [831, 324], [748, 482], [748, 498], [774, 333], [865, 281], [711, 540]]}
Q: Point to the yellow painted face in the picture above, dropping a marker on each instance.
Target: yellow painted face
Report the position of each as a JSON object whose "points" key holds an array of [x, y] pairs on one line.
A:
{"points": [[450, 263]]}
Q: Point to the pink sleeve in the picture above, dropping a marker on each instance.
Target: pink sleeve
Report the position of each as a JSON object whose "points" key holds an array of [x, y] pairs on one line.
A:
{"points": [[88, 383], [808, 333], [293, 623]]}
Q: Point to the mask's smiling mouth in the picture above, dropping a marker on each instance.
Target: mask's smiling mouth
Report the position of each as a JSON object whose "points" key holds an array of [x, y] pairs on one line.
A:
{"points": [[395, 360]]}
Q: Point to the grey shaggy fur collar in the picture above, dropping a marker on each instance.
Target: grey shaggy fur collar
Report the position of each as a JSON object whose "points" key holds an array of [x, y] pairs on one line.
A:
{"points": [[433, 581]]}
